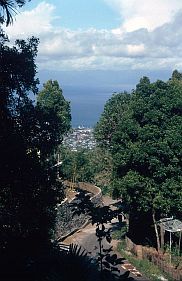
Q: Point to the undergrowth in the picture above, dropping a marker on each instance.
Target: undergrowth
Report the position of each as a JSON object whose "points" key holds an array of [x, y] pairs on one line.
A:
{"points": [[147, 269]]}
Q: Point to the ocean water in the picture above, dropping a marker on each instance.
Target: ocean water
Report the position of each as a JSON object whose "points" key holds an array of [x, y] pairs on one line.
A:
{"points": [[88, 91], [87, 104]]}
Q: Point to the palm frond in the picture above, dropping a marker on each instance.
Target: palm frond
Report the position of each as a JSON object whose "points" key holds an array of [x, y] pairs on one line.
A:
{"points": [[8, 9], [76, 250]]}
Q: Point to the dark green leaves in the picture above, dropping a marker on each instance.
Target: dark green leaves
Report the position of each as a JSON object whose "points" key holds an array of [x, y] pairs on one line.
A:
{"points": [[54, 116], [145, 140]]}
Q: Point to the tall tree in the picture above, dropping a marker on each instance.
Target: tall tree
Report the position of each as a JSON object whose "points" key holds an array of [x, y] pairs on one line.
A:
{"points": [[100, 162], [54, 116], [76, 165], [110, 118], [146, 147], [29, 190]]}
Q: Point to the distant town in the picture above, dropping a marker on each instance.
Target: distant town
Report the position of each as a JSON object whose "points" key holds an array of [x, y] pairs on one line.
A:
{"points": [[80, 137]]}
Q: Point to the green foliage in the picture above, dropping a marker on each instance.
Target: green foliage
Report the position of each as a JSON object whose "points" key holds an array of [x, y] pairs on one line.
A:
{"points": [[29, 190], [149, 270], [101, 216], [75, 262], [101, 165], [94, 166], [146, 145], [110, 118], [24, 181], [76, 165], [121, 232], [54, 117], [176, 75], [17, 73]]}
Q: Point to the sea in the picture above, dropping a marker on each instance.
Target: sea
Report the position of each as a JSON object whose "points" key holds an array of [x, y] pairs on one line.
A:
{"points": [[88, 91], [87, 104]]}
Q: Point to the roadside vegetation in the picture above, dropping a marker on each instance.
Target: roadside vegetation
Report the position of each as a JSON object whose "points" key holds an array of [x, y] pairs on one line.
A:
{"points": [[140, 134], [143, 133], [138, 158], [93, 166], [144, 266], [148, 269]]}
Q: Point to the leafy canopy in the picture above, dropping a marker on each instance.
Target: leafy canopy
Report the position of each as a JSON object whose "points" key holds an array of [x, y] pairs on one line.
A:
{"points": [[54, 116], [29, 190], [146, 144]]}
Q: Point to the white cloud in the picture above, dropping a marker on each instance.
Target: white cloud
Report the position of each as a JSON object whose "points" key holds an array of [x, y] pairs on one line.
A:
{"points": [[148, 14], [37, 21], [135, 50], [156, 45]]}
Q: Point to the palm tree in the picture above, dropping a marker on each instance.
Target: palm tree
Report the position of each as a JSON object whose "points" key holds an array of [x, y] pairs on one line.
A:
{"points": [[8, 8]]}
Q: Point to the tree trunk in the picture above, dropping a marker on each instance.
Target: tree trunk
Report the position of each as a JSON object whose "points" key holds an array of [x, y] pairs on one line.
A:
{"points": [[156, 231], [162, 237]]}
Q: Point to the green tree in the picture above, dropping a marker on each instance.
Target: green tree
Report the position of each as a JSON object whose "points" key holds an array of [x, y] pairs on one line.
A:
{"points": [[29, 190], [76, 165], [100, 162], [23, 181], [146, 147], [93, 166], [100, 216], [17, 64], [54, 117], [110, 118]]}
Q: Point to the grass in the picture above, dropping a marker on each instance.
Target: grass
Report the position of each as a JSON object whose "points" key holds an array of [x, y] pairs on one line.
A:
{"points": [[119, 234], [176, 257], [148, 269]]}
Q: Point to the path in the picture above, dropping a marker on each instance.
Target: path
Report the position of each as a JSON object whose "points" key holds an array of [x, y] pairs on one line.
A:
{"points": [[87, 239]]}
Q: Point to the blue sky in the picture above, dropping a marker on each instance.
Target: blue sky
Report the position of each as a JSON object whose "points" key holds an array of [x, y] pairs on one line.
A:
{"points": [[101, 46], [82, 14], [103, 34]]}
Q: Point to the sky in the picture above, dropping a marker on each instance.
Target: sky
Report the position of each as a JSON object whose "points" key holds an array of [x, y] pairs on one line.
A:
{"points": [[103, 34], [102, 46]]}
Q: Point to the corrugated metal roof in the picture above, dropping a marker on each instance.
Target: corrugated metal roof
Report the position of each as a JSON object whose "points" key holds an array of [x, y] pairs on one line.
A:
{"points": [[171, 225]]}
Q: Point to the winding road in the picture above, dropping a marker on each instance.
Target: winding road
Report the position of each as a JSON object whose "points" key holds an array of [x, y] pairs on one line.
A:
{"points": [[87, 239]]}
